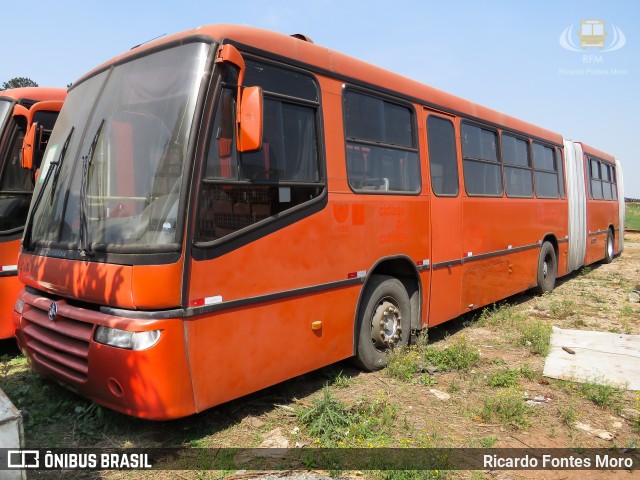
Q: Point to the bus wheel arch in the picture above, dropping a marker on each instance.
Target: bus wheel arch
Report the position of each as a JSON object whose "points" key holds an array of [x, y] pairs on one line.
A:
{"points": [[384, 321], [392, 287]]}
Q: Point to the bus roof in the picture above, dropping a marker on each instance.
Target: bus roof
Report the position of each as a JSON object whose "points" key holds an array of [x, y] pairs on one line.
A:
{"points": [[589, 150], [324, 60], [35, 93]]}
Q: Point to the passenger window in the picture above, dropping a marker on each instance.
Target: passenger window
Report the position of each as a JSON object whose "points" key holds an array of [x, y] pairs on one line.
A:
{"points": [[443, 162], [596, 182], [518, 178], [481, 164], [546, 171], [241, 190], [560, 165], [382, 155]]}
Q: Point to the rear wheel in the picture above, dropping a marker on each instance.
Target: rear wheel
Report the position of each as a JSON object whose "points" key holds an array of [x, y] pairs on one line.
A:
{"points": [[385, 321], [608, 248], [547, 268]]}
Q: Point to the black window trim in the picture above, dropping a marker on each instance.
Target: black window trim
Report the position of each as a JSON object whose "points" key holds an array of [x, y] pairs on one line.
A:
{"points": [[613, 181], [498, 161], [201, 251], [505, 165], [544, 170], [414, 124], [559, 156], [449, 119]]}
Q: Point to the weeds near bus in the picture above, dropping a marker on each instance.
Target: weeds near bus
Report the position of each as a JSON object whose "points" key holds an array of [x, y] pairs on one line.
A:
{"points": [[601, 394], [561, 309], [508, 407], [568, 413], [334, 424], [502, 315], [536, 335], [506, 377], [404, 364], [457, 355], [411, 475]]}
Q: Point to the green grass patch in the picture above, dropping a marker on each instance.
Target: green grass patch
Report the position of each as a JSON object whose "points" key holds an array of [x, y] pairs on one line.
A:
{"points": [[336, 424], [561, 309], [456, 355], [632, 219], [341, 380], [501, 315], [506, 377], [508, 407], [404, 363], [410, 475], [601, 394], [536, 335], [568, 413]]}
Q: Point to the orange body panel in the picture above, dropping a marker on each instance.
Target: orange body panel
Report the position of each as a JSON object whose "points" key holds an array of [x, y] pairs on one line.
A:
{"points": [[239, 351], [152, 383], [105, 284]]}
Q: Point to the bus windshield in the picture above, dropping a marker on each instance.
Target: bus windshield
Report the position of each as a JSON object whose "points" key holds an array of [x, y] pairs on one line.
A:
{"points": [[112, 173]]}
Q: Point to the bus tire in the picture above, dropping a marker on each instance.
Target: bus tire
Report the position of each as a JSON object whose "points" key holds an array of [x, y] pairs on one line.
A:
{"points": [[384, 321], [547, 268], [608, 248]]}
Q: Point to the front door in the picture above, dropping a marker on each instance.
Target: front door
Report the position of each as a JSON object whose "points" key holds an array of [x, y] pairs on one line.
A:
{"points": [[446, 218]]}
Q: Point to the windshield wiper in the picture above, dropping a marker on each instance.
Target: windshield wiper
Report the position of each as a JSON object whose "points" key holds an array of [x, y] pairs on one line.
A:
{"points": [[54, 165], [83, 245], [58, 165]]}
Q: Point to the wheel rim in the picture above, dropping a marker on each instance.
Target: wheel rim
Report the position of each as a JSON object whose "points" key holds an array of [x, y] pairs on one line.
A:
{"points": [[610, 247], [385, 324]]}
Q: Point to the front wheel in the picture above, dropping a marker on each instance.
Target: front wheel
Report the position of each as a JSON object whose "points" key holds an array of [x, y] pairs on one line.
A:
{"points": [[547, 268], [385, 321], [608, 248]]}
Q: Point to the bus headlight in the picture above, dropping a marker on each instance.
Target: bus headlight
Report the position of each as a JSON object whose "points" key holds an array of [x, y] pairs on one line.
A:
{"points": [[126, 339]]}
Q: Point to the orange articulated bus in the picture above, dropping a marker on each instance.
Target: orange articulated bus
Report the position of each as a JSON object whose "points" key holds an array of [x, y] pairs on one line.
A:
{"points": [[227, 208], [23, 111]]}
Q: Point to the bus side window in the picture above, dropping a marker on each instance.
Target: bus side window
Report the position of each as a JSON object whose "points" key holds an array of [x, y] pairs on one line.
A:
{"points": [[381, 150], [443, 164], [239, 191], [546, 171], [596, 183], [481, 163], [518, 178]]}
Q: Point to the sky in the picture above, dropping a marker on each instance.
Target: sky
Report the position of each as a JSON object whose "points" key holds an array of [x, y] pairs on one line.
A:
{"points": [[506, 55]]}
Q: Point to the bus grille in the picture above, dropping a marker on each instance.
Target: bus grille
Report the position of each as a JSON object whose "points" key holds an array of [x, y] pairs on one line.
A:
{"points": [[62, 345]]}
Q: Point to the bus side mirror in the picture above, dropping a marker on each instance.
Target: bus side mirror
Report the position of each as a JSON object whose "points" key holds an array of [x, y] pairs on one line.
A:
{"points": [[250, 125], [28, 146]]}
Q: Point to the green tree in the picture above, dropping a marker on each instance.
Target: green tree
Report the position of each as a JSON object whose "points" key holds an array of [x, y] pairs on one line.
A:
{"points": [[17, 82]]}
